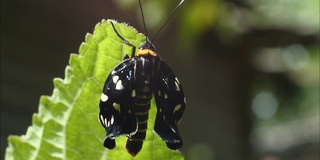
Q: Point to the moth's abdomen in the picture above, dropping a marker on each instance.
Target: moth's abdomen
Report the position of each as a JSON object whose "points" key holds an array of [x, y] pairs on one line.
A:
{"points": [[134, 142], [142, 94]]}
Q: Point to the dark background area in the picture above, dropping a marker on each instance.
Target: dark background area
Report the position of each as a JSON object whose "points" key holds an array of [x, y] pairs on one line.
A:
{"points": [[250, 68]]}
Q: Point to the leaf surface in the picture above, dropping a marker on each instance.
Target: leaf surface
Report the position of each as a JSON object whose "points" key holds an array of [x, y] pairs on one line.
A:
{"points": [[66, 125]]}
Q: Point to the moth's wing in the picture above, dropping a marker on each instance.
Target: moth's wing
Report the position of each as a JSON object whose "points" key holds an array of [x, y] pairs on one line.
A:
{"points": [[171, 103], [115, 103]]}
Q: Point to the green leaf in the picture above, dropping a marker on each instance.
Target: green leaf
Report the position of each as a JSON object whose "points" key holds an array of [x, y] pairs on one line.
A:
{"points": [[67, 126]]}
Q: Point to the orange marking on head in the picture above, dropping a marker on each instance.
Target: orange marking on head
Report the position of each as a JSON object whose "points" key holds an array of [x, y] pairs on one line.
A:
{"points": [[145, 52]]}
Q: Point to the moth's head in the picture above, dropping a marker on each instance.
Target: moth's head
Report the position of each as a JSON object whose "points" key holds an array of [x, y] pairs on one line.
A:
{"points": [[146, 48], [147, 45]]}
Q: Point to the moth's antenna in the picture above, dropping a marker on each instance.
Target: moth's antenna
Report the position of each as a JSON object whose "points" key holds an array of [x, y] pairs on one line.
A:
{"points": [[124, 40], [174, 11], [144, 23]]}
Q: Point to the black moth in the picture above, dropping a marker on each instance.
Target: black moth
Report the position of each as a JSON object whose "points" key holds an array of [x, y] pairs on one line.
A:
{"points": [[126, 95]]}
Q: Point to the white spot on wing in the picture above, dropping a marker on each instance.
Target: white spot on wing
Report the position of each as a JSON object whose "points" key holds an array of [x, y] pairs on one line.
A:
{"points": [[106, 122], [116, 106], [115, 79], [112, 120], [133, 94], [185, 100], [134, 69], [177, 85], [119, 85], [104, 97], [177, 108], [101, 119], [165, 96], [177, 80]]}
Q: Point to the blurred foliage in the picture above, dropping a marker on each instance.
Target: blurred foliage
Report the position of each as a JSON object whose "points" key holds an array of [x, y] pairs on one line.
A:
{"points": [[299, 16]]}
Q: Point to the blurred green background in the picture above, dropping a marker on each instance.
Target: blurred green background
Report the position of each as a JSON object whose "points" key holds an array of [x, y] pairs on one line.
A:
{"points": [[249, 68]]}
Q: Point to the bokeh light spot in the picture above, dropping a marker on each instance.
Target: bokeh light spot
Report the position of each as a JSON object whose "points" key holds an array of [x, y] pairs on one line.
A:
{"points": [[264, 105]]}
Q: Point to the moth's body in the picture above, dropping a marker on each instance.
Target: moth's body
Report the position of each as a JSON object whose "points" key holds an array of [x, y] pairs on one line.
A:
{"points": [[125, 101], [128, 90]]}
